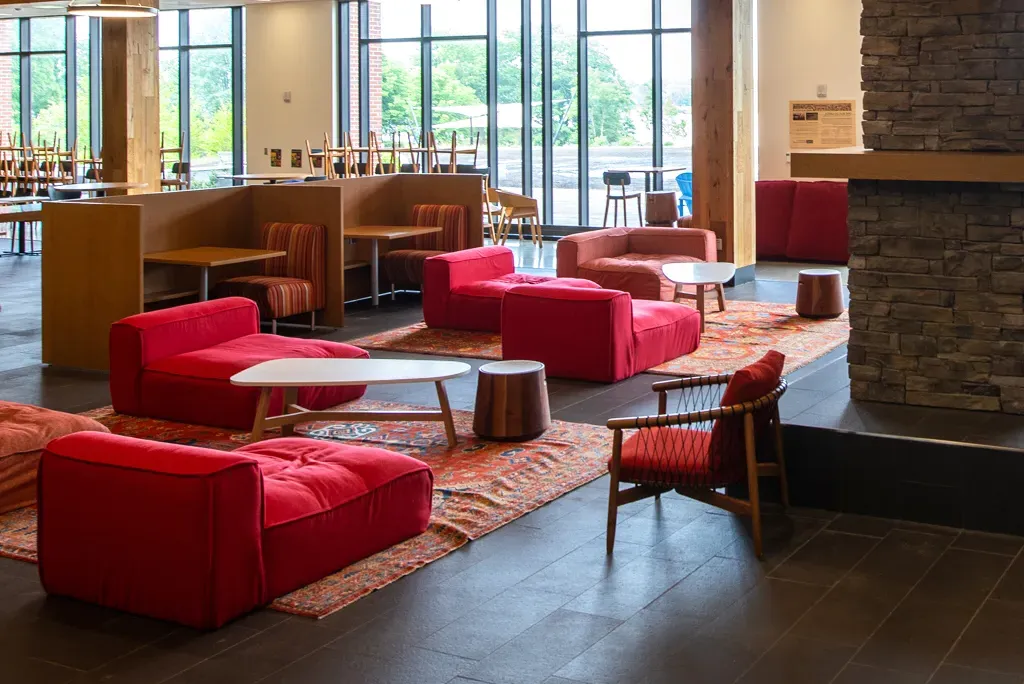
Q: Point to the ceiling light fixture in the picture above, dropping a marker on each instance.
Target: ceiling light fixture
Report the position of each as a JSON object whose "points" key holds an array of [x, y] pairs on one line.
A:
{"points": [[108, 9]]}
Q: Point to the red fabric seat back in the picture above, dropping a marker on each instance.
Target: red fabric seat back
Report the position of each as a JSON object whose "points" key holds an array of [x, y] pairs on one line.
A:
{"points": [[305, 244], [774, 216], [452, 218]]}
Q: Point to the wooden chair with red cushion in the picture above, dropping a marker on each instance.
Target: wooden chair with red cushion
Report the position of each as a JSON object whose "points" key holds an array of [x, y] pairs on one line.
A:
{"points": [[289, 285], [702, 448], [404, 267]]}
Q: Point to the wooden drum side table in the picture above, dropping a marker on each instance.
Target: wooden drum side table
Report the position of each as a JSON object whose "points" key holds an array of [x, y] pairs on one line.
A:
{"points": [[511, 401], [819, 293]]}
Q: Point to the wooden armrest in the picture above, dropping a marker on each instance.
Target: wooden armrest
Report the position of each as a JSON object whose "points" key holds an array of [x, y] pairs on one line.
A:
{"points": [[699, 381], [669, 419]]}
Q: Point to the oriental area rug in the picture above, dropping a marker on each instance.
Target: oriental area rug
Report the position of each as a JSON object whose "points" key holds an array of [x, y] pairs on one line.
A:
{"points": [[732, 339], [478, 486]]}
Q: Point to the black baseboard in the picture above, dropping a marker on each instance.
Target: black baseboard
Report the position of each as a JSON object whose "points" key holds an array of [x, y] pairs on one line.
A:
{"points": [[956, 484]]}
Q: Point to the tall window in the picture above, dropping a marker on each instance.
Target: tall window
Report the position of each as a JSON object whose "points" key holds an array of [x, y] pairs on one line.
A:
{"points": [[559, 90], [201, 90]]}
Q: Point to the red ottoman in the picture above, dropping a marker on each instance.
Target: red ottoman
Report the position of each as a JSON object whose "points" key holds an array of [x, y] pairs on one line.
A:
{"points": [[199, 536], [464, 290], [176, 364], [599, 335]]}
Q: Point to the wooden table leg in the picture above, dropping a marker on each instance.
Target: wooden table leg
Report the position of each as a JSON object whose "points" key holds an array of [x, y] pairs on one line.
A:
{"points": [[446, 410], [261, 414], [700, 305], [720, 289], [291, 396], [374, 274]]}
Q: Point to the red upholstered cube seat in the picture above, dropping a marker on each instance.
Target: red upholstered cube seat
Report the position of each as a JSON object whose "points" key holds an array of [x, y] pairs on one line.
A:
{"points": [[594, 334], [464, 290], [213, 534], [176, 364]]}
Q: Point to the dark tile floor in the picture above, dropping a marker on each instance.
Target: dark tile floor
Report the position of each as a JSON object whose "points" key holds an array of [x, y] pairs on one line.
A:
{"points": [[837, 598]]}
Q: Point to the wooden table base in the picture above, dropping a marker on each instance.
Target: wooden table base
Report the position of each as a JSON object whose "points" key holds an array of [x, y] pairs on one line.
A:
{"points": [[511, 401], [719, 290], [293, 414]]}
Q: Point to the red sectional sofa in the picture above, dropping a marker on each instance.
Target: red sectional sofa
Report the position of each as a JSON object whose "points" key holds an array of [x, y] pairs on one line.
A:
{"points": [[464, 290], [176, 364], [599, 335], [802, 221], [199, 536]]}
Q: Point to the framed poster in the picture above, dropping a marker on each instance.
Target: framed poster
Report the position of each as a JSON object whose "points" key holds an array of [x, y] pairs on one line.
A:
{"points": [[275, 158], [822, 124], [296, 159]]}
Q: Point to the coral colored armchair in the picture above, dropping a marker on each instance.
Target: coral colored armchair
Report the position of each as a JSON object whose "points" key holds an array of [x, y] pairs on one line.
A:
{"points": [[289, 285], [200, 536], [594, 334], [176, 364], [464, 290], [630, 259], [404, 267]]}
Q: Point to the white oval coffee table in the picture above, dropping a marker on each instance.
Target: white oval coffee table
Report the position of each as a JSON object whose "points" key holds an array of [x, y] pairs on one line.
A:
{"points": [[700, 274], [291, 374]]}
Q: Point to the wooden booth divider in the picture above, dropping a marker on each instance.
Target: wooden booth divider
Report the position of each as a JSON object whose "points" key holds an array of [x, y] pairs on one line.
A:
{"points": [[93, 268]]}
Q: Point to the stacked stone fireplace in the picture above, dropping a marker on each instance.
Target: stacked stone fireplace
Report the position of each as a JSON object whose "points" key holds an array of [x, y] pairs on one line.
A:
{"points": [[937, 268]]}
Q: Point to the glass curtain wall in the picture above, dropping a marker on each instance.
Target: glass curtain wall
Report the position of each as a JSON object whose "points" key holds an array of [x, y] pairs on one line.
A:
{"points": [[201, 90], [559, 90], [40, 59]]}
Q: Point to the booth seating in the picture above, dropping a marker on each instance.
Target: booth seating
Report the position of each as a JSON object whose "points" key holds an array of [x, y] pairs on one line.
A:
{"points": [[599, 335], [802, 221], [24, 431], [290, 285], [404, 267], [199, 536], [464, 290], [176, 364], [630, 259]]}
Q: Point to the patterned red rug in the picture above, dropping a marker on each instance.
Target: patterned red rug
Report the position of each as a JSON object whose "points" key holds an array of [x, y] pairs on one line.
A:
{"points": [[731, 340], [478, 487]]}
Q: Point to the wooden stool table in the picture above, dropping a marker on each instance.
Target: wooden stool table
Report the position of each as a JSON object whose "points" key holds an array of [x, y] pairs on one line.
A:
{"points": [[511, 401], [662, 208], [819, 293]]}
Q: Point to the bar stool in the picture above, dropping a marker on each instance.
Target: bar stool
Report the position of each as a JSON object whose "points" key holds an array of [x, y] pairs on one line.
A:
{"points": [[620, 180]]}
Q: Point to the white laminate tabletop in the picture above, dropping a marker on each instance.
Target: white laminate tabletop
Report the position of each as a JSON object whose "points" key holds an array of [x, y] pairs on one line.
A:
{"points": [[700, 273], [335, 372]]}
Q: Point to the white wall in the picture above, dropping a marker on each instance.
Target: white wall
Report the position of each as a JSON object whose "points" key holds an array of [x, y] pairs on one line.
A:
{"points": [[289, 47], [801, 44]]}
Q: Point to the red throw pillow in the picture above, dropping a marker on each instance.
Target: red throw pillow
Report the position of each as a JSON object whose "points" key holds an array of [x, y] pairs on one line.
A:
{"points": [[756, 380], [819, 231]]}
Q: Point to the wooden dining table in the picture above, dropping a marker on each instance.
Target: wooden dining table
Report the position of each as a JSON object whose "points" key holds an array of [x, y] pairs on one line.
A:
{"points": [[649, 172], [20, 217], [377, 233], [205, 258], [100, 188], [268, 178]]}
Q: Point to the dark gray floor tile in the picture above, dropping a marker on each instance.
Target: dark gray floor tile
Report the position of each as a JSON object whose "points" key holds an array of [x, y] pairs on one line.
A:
{"points": [[627, 653], [415, 666], [701, 539], [702, 660], [963, 577], [652, 530], [954, 674], [862, 524], [990, 543], [551, 644], [711, 589], [1011, 587], [764, 614], [995, 639], [578, 571], [902, 558], [782, 534], [23, 670], [864, 674], [851, 611], [631, 587], [916, 637], [825, 558], [488, 627], [795, 660]]}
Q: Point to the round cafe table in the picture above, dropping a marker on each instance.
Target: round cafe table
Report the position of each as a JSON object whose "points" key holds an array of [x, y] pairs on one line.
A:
{"points": [[699, 275]]}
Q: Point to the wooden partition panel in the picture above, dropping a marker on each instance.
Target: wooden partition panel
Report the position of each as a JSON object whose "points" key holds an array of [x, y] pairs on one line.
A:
{"points": [[221, 217], [317, 203], [92, 276], [445, 188]]}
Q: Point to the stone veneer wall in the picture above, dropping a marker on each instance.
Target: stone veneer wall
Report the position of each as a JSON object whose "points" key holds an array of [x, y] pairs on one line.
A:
{"points": [[937, 269], [936, 309]]}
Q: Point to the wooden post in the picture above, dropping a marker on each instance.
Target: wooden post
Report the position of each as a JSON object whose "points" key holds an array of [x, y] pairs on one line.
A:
{"points": [[723, 125], [131, 102]]}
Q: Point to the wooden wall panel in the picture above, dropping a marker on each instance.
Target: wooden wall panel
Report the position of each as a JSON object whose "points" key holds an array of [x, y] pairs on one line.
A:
{"points": [[131, 104], [92, 276], [317, 203], [723, 133]]}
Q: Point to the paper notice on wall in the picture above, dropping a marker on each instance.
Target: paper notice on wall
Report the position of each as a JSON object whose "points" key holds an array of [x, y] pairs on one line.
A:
{"points": [[820, 124]]}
